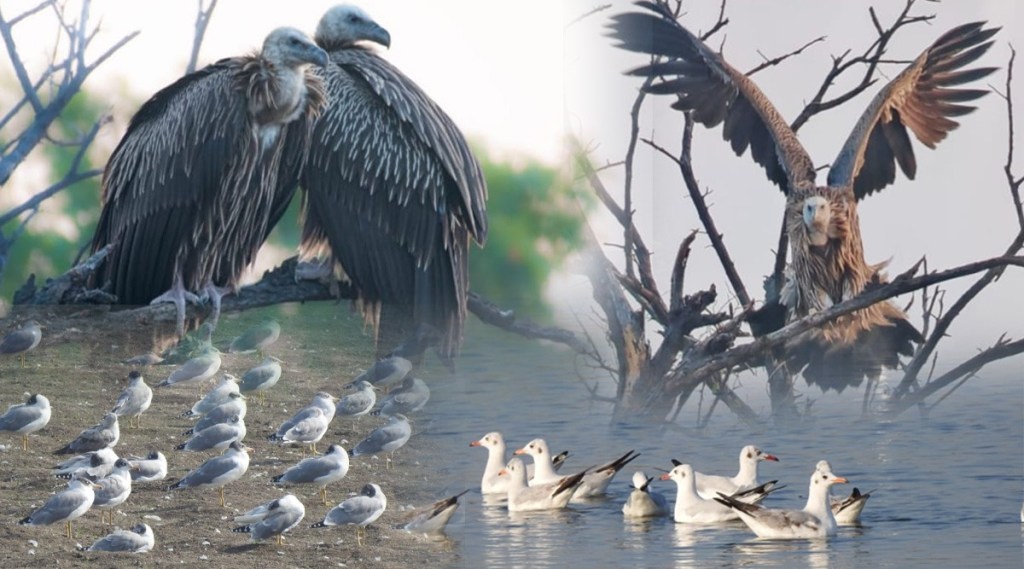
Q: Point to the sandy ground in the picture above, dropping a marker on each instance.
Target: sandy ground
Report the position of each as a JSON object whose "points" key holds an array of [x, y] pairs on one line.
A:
{"points": [[77, 367]]}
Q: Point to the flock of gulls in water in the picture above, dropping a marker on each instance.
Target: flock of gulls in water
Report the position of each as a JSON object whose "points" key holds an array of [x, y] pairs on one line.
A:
{"points": [[99, 478]]}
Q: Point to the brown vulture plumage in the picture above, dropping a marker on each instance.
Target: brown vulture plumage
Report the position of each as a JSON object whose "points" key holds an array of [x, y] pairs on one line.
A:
{"points": [[827, 265]]}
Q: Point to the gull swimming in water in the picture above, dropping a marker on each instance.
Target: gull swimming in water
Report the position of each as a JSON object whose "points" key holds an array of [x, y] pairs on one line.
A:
{"points": [[432, 518], [814, 521], [134, 400], [215, 437], [149, 469], [595, 483], [409, 398], [218, 471], [26, 418], [358, 403], [708, 486], [642, 502], [550, 496], [65, 506], [113, 489], [690, 507], [261, 378], [388, 438], [104, 435], [360, 511], [321, 470], [846, 510], [216, 397], [271, 519], [139, 539], [22, 340], [492, 483]]}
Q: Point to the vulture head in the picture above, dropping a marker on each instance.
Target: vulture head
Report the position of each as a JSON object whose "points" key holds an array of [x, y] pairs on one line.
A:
{"points": [[816, 214], [289, 47], [345, 24]]}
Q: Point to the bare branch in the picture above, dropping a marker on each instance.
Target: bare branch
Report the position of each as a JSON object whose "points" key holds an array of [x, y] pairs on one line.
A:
{"points": [[679, 271], [585, 15], [16, 63], [777, 60], [507, 320], [202, 20]]}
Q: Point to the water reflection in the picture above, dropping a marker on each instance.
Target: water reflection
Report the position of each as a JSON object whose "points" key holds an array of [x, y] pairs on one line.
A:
{"points": [[814, 553]]}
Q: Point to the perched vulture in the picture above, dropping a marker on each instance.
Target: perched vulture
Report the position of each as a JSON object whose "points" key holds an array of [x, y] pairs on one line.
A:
{"points": [[393, 192], [827, 265], [201, 176]]}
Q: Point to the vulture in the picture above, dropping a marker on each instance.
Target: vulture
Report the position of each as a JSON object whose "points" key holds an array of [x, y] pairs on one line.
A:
{"points": [[204, 171], [827, 265], [393, 193]]}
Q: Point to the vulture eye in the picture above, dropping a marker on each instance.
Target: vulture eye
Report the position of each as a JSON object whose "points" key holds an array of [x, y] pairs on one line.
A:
{"points": [[353, 18]]}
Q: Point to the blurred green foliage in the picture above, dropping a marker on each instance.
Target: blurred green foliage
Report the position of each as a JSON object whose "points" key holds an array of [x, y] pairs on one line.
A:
{"points": [[535, 215]]}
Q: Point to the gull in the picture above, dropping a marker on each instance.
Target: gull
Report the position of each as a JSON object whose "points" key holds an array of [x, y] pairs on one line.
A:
{"points": [[594, 484], [113, 489], [321, 470], [143, 360], [847, 510], [271, 519], [257, 338], [96, 464], [26, 418], [261, 378], [491, 483], [642, 502], [409, 398], [218, 396], [690, 507], [325, 402], [22, 340], [432, 518], [219, 470], [104, 435], [149, 469], [134, 400], [814, 521], [550, 496], [196, 370], [235, 407], [360, 511], [139, 539], [708, 486], [393, 367], [359, 402], [190, 345], [309, 430], [388, 438], [215, 437], [65, 506]]}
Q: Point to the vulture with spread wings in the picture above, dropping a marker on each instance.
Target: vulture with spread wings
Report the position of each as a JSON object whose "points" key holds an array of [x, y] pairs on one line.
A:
{"points": [[827, 265]]}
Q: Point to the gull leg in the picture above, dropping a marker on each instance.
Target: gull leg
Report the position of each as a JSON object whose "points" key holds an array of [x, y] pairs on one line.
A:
{"points": [[178, 296], [323, 494], [24, 442], [22, 356], [222, 497], [280, 539]]}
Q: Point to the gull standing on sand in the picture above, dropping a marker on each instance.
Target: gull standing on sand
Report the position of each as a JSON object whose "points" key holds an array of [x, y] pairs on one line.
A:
{"points": [[234, 408], [815, 520], [215, 437], [113, 489], [96, 464], [360, 511], [321, 470], [143, 360], [149, 469], [134, 400], [257, 338], [310, 430], [550, 496], [642, 502], [392, 368], [409, 398], [388, 438], [217, 396], [65, 506], [196, 370], [139, 539], [596, 481], [358, 403], [218, 471], [432, 518], [26, 418], [22, 340], [104, 435], [323, 401], [271, 519], [261, 378], [708, 485]]}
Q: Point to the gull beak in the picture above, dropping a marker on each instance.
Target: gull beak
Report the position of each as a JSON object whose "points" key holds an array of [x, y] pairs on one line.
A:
{"points": [[771, 457], [475, 444], [503, 472], [519, 451], [666, 476], [839, 480]]}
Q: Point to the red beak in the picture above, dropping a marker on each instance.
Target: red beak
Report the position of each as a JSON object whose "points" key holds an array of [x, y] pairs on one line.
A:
{"points": [[474, 444], [771, 457]]}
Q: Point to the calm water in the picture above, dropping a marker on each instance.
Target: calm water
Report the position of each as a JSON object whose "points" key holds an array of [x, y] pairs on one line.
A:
{"points": [[948, 489]]}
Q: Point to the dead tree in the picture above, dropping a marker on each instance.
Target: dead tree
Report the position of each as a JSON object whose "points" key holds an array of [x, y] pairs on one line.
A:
{"points": [[701, 348]]}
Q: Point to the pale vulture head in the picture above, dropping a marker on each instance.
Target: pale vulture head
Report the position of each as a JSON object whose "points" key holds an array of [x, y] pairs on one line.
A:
{"points": [[817, 215], [345, 24], [289, 47]]}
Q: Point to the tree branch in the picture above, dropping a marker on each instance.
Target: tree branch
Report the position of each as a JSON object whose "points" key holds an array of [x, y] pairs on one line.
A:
{"points": [[202, 21]]}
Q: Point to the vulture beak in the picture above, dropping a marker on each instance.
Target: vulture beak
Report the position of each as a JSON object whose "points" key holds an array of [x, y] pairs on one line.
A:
{"points": [[318, 57], [379, 35]]}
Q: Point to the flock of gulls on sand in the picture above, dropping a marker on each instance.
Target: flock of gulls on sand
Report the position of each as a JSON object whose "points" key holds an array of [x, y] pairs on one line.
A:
{"points": [[98, 478]]}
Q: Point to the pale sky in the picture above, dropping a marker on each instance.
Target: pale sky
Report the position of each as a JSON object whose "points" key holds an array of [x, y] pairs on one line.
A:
{"points": [[957, 210]]}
